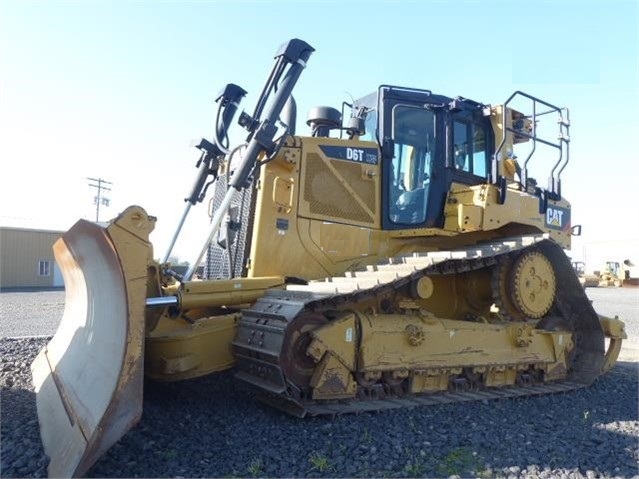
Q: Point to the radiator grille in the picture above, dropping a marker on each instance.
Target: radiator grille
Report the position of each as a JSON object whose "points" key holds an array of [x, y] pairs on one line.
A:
{"points": [[327, 196], [217, 258]]}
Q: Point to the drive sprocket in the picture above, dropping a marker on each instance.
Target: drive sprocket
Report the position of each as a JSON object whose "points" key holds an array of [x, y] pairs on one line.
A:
{"points": [[533, 284], [524, 286]]}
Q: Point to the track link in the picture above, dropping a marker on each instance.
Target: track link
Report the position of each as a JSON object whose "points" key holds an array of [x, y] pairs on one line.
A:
{"points": [[262, 330]]}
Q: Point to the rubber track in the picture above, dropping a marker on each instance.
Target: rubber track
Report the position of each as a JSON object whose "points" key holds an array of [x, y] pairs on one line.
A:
{"points": [[262, 328]]}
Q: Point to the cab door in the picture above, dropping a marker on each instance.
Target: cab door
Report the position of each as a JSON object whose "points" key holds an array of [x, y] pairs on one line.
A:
{"points": [[412, 137]]}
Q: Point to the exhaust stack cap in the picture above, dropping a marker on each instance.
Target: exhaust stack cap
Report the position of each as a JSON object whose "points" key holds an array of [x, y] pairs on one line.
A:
{"points": [[323, 119]]}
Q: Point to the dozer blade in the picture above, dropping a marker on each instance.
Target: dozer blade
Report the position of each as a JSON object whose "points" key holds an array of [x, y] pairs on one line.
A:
{"points": [[88, 379]]}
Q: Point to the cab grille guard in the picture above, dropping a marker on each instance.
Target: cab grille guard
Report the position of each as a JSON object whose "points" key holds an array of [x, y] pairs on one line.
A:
{"points": [[562, 145]]}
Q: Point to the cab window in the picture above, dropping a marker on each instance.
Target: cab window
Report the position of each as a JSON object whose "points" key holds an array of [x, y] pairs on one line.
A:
{"points": [[460, 146], [480, 158], [370, 126], [469, 148]]}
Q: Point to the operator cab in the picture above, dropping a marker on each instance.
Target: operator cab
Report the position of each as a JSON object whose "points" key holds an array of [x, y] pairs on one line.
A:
{"points": [[427, 141]]}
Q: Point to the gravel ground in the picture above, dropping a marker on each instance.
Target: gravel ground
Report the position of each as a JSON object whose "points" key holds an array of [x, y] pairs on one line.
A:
{"points": [[213, 427], [30, 313]]}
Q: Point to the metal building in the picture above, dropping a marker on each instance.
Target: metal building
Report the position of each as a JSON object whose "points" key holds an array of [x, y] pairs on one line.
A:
{"points": [[26, 259]]}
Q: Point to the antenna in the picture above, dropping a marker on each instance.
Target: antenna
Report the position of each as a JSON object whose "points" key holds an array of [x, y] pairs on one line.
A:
{"points": [[99, 198]]}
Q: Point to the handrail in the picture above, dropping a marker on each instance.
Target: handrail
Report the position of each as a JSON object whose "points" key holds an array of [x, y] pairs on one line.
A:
{"points": [[562, 144]]}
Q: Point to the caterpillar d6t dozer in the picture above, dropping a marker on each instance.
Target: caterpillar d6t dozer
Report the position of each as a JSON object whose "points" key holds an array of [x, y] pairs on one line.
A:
{"points": [[399, 255]]}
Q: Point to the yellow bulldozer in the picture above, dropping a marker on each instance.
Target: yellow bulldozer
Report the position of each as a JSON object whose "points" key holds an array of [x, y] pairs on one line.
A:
{"points": [[617, 274], [586, 280], [612, 274], [397, 256]]}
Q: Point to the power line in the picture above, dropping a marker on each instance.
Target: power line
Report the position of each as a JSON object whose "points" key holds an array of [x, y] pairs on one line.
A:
{"points": [[100, 199]]}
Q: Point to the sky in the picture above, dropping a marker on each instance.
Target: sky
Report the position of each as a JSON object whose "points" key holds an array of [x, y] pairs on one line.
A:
{"points": [[120, 90]]}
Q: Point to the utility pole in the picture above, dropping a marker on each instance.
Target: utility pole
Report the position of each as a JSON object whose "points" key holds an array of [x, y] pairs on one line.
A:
{"points": [[100, 198]]}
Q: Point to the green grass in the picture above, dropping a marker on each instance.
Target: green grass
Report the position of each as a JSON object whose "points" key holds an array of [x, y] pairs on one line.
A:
{"points": [[413, 426], [169, 454], [255, 467], [367, 437], [457, 461], [415, 468], [319, 462]]}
